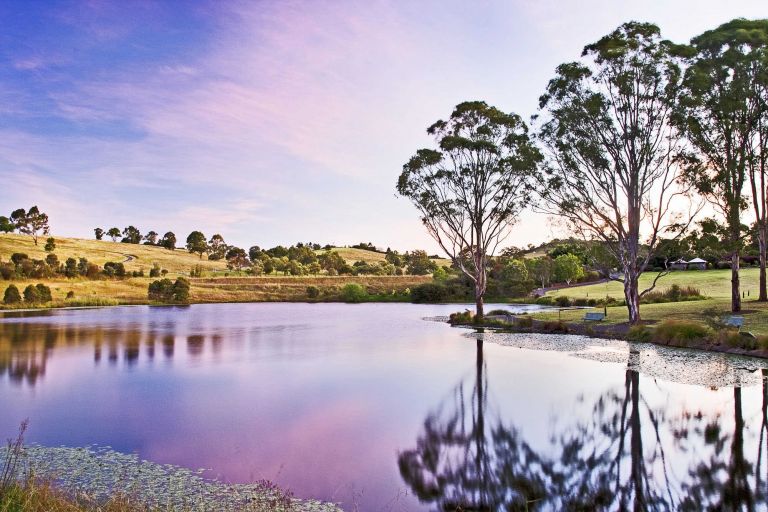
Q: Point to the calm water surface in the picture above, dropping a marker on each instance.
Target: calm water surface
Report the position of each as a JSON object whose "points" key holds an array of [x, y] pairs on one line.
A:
{"points": [[374, 407]]}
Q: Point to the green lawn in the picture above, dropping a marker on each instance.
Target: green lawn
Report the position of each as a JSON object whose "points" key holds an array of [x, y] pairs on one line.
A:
{"points": [[715, 284]]}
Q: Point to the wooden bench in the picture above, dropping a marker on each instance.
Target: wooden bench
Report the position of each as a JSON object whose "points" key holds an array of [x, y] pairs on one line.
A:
{"points": [[594, 317], [734, 321]]}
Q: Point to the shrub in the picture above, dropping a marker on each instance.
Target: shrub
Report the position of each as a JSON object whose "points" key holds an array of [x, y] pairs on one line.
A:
{"points": [[580, 302], [674, 293], [196, 271], [562, 301], [640, 333], [555, 326], [429, 292], [525, 321], [7, 270], [545, 301], [680, 332], [31, 294], [12, 295], [114, 269], [18, 257], [70, 294], [353, 292], [313, 292], [44, 293], [50, 244], [165, 290], [464, 317]]}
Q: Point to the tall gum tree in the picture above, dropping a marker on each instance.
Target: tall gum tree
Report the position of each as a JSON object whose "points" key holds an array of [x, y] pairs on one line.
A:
{"points": [[610, 150], [719, 111], [472, 188]]}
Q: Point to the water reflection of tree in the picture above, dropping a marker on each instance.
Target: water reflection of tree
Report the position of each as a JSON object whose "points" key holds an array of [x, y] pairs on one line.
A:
{"points": [[616, 459]]}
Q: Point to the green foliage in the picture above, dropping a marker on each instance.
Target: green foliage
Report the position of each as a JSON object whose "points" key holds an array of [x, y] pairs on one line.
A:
{"points": [[98, 233], [419, 264], [167, 291], [151, 238], [44, 293], [568, 268], [12, 295], [196, 271], [541, 270], [155, 270], [31, 294], [32, 222], [50, 244], [680, 332], [168, 241], [131, 235], [313, 292], [461, 318], [217, 247], [196, 243], [114, 234], [524, 321], [114, 269], [429, 293], [6, 226], [440, 274], [640, 332], [353, 292], [674, 293]]}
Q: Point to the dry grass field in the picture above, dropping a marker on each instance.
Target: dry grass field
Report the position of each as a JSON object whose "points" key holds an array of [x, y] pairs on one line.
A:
{"points": [[219, 285]]}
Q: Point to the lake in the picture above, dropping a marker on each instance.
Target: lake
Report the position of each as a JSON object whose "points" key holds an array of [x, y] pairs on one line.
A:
{"points": [[383, 407]]}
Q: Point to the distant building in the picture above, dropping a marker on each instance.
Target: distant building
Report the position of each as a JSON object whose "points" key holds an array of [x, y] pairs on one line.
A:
{"points": [[680, 264], [697, 264]]}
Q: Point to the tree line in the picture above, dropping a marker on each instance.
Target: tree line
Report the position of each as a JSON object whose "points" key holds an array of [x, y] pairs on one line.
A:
{"points": [[630, 140]]}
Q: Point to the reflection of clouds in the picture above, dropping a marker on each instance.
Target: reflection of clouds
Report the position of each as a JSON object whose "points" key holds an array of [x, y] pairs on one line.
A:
{"points": [[684, 366]]}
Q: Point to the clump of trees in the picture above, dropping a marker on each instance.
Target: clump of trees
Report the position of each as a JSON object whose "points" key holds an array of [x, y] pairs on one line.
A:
{"points": [[33, 294], [167, 291]]}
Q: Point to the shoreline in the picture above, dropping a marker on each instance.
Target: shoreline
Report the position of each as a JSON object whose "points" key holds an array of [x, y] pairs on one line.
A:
{"points": [[500, 323]]}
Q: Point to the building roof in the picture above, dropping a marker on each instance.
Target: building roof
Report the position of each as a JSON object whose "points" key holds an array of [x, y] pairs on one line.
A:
{"points": [[697, 260], [681, 260]]}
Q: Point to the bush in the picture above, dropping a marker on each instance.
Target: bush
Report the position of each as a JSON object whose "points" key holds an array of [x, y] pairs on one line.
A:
{"points": [[44, 293], [546, 300], [526, 322], [353, 292], [555, 326], [114, 269], [680, 332], [196, 271], [313, 292], [674, 293], [429, 293], [563, 301], [12, 295], [50, 244], [580, 302], [70, 295], [165, 290], [7, 270], [31, 294], [640, 333], [464, 317], [155, 270]]}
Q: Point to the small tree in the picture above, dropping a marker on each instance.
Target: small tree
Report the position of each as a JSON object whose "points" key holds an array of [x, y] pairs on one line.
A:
{"points": [[237, 259], [196, 243], [472, 188], [114, 234], [541, 269], [169, 241], [99, 233], [419, 264], [50, 244], [151, 238], [12, 295], [44, 293], [32, 222], [568, 268]]}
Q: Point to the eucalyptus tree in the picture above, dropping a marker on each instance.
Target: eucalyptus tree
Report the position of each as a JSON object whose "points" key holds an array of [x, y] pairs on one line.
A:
{"points": [[32, 222], [472, 187], [610, 148], [719, 112]]}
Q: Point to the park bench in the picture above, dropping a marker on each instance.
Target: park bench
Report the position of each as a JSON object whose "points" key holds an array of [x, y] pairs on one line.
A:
{"points": [[734, 321], [594, 317]]}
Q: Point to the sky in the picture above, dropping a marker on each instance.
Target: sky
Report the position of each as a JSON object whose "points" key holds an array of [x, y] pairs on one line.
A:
{"points": [[273, 122]]}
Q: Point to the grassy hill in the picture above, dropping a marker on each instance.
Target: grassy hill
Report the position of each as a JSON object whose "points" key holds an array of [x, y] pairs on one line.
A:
{"points": [[218, 285], [352, 255], [134, 256]]}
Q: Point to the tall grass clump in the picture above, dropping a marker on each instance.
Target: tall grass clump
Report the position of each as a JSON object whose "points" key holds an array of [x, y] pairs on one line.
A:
{"points": [[680, 332], [674, 293]]}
